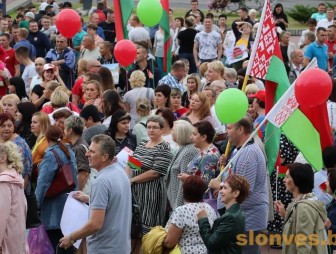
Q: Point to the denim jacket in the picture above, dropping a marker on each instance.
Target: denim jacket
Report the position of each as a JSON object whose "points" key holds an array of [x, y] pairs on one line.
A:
{"points": [[52, 209]]}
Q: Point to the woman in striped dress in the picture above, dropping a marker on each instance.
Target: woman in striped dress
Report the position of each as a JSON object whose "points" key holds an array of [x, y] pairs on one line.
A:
{"points": [[148, 182]]}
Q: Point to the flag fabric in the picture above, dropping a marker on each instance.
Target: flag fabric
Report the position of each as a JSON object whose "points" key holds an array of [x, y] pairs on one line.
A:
{"points": [[281, 171], [122, 11], [323, 186], [287, 115], [134, 163], [165, 24], [265, 56]]}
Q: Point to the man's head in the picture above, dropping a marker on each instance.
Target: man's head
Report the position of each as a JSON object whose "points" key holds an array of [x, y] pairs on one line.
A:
{"points": [[29, 16], [101, 151], [285, 37], [4, 40], [311, 23], [222, 19], [243, 13], [46, 22], [309, 38], [194, 5], [134, 20], [21, 54], [4, 25], [322, 8], [142, 54], [15, 31], [296, 57], [330, 14], [93, 66], [240, 131], [92, 29], [39, 64], [321, 35], [331, 32], [88, 42], [91, 115], [178, 69], [32, 8], [208, 23], [94, 18], [33, 26], [22, 34], [61, 42], [110, 17], [211, 94]]}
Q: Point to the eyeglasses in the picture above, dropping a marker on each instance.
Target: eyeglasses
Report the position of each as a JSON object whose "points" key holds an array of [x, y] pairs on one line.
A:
{"points": [[97, 66]]}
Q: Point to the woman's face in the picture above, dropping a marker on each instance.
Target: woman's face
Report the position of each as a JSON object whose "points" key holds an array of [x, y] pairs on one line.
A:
{"points": [[48, 75], [197, 139], [154, 131], [278, 10], [159, 100], [192, 85], [9, 106], [195, 103], [35, 125], [7, 130], [123, 126], [212, 74], [103, 50], [91, 91], [11, 89], [227, 193], [178, 23], [289, 182], [251, 110], [175, 101], [246, 29]]}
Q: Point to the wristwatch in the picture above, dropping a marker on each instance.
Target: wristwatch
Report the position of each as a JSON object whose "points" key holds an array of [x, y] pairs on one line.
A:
{"points": [[72, 241]]}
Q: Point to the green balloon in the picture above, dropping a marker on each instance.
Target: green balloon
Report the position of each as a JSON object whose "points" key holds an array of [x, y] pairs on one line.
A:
{"points": [[149, 12], [231, 105]]}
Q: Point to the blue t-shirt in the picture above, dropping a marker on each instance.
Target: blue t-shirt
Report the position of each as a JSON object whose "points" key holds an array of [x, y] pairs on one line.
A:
{"points": [[320, 52]]}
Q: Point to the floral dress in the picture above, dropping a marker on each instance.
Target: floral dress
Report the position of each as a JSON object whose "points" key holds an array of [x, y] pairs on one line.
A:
{"points": [[205, 164]]}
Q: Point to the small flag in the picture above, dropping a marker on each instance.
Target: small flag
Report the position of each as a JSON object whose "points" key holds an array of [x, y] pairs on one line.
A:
{"points": [[323, 186], [134, 163], [281, 171]]}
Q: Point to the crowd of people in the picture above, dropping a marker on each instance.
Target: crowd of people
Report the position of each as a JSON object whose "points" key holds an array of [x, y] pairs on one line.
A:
{"points": [[62, 105]]}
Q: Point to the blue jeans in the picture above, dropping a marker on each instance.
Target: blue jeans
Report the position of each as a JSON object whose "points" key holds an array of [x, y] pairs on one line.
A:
{"points": [[191, 59]]}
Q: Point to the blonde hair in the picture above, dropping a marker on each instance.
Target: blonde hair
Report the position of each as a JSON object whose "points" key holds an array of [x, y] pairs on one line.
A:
{"points": [[59, 99], [218, 67], [183, 130], [98, 86], [204, 111], [52, 85], [63, 89], [83, 64], [137, 79], [203, 68], [44, 122], [14, 158], [197, 79], [251, 89], [11, 97], [143, 107]]}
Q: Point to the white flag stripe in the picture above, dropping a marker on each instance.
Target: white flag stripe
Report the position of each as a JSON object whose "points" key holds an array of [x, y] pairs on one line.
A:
{"points": [[287, 103]]}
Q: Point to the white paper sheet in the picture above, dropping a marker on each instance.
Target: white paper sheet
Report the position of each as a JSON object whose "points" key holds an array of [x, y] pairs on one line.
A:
{"points": [[75, 216], [122, 157]]}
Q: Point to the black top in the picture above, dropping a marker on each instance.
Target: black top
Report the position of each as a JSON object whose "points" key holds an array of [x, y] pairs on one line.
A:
{"points": [[109, 31], [186, 38], [38, 90]]}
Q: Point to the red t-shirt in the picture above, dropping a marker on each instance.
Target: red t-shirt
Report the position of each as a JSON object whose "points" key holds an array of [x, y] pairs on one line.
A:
{"points": [[78, 90], [10, 61], [331, 48]]}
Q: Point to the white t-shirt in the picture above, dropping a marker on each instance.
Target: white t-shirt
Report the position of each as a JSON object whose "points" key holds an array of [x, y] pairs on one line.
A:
{"points": [[90, 54], [208, 44], [35, 81], [28, 74], [138, 34]]}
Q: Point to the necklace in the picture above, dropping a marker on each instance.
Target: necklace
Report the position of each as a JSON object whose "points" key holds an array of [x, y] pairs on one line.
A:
{"points": [[119, 140]]}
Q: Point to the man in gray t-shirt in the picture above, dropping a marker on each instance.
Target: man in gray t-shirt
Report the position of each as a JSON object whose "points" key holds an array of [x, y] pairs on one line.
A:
{"points": [[108, 229]]}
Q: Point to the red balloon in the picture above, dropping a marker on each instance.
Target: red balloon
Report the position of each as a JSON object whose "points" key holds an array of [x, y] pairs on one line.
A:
{"points": [[313, 87], [125, 52], [68, 22]]}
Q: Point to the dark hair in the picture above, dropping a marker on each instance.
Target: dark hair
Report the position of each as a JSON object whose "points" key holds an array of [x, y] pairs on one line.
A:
{"points": [[55, 134], [209, 15], [90, 111], [311, 21], [246, 123], [206, 128], [222, 16], [260, 103], [20, 87], [93, 76], [329, 157], [243, 8], [6, 116], [117, 117], [62, 113], [22, 51], [168, 115], [332, 179], [193, 189], [182, 20], [106, 78], [112, 102], [321, 28], [240, 183], [303, 177], [276, 6], [165, 90], [27, 109], [92, 26], [6, 35]]}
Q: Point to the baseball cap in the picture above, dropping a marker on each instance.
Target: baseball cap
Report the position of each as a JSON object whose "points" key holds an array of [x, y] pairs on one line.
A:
{"points": [[260, 95], [30, 15], [48, 67]]}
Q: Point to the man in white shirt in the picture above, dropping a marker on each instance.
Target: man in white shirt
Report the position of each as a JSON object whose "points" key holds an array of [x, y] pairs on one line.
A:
{"points": [[327, 21], [138, 32], [37, 79], [90, 51], [296, 59], [22, 56]]}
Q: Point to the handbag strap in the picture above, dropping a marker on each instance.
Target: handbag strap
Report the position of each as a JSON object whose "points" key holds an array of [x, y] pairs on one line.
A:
{"points": [[57, 158]]}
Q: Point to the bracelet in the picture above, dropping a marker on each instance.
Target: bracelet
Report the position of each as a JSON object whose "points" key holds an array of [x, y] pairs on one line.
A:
{"points": [[72, 241]]}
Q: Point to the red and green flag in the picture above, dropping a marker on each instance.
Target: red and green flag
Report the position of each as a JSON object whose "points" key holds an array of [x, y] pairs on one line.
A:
{"points": [[165, 24], [281, 171], [134, 163], [122, 11]]}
